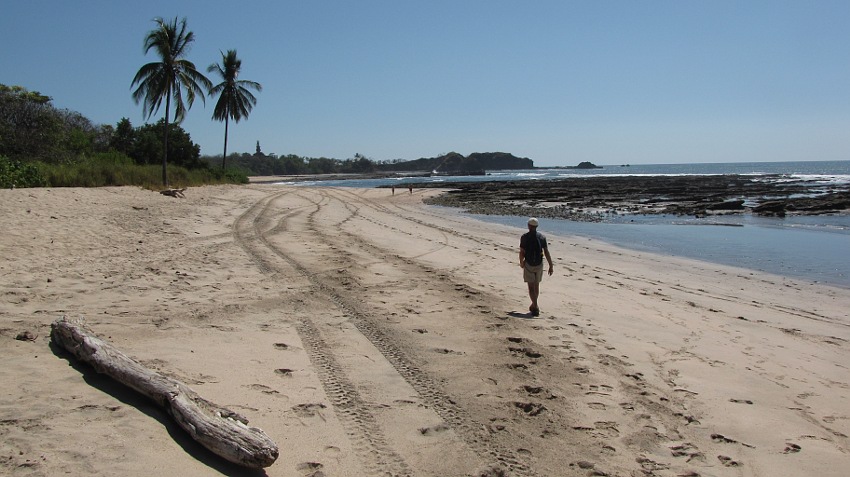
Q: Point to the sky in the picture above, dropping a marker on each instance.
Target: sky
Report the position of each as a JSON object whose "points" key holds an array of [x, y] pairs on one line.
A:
{"points": [[559, 82]]}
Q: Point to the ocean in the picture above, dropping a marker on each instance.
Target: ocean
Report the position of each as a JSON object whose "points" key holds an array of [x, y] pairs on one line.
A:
{"points": [[812, 248]]}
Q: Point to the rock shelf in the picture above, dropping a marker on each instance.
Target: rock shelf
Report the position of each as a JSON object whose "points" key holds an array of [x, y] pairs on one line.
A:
{"points": [[597, 197]]}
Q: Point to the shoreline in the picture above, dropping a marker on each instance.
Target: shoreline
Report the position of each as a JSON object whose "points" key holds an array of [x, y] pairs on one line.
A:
{"points": [[720, 199], [794, 250], [366, 333]]}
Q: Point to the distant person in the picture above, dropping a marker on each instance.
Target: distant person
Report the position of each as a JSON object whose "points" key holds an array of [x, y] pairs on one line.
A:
{"points": [[393, 190], [532, 249], [410, 188]]}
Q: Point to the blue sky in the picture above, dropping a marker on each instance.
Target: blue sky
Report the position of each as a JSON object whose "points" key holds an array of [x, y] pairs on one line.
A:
{"points": [[560, 82]]}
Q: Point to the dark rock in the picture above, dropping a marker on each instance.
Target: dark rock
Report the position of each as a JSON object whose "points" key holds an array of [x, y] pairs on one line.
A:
{"points": [[773, 207], [727, 205], [594, 198]]}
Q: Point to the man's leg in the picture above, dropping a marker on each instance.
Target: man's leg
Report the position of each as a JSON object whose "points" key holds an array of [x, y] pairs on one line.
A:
{"points": [[533, 293]]}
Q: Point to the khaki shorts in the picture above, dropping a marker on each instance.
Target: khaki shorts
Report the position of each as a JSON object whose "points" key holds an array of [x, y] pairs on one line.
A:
{"points": [[532, 273]]}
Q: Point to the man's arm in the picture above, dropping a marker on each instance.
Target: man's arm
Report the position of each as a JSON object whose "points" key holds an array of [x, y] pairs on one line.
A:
{"points": [[522, 257], [549, 259]]}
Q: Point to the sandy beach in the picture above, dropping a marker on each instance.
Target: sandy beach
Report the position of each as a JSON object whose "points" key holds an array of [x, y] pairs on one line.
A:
{"points": [[370, 335]]}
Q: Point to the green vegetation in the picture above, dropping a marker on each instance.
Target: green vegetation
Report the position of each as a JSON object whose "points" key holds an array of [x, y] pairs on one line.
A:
{"points": [[455, 162], [42, 146], [32, 129], [259, 164], [115, 169], [108, 169], [15, 174]]}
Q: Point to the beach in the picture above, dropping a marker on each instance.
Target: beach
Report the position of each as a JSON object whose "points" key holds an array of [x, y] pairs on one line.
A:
{"points": [[368, 334]]}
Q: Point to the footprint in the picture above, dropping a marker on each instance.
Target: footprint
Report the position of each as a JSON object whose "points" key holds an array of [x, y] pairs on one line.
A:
{"points": [[723, 439], [649, 466], [283, 371], [448, 351], [308, 409], [310, 469], [430, 431], [791, 448], [530, 408], [539, 392], [583, 464], [728, 462], [281, 346], [333, 451], [741, 401], [262, 388], [527, 352], [607, 428], [687, 450]]}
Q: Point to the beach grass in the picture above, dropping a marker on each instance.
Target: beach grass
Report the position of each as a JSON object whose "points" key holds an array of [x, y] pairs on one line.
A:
{"points": [[114, 169]]}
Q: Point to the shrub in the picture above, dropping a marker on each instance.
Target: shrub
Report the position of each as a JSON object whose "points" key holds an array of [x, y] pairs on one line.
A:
{"points": [[110, 169], [17, 174]]}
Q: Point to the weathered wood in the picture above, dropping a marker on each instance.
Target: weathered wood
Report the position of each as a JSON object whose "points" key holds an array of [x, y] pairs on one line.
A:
{"points": [[218, 429], [174, 192]]}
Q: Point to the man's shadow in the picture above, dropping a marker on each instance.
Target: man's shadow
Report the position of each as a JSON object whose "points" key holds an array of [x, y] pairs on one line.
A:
{"points": [[132, 398], [526, 315]]}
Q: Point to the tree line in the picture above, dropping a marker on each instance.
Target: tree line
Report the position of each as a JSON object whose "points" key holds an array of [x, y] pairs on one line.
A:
{"points": [[42, 145], [34, 134], [259, 164]]}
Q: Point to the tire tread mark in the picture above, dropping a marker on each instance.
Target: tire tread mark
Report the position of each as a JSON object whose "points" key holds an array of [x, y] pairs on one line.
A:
{"points": [[471, 431], [368, 439]]}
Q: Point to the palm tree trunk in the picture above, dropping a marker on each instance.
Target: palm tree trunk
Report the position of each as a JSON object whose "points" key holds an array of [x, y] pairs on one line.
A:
{"points": [[165, 142], [224, 157]]}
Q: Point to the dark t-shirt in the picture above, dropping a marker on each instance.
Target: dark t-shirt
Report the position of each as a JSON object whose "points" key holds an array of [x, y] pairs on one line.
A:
{"points": [[533, 243]]}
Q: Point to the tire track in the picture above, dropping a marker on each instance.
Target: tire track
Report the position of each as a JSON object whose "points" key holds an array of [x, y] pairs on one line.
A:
{"points": [[470, 430], [367, 436], [473, 433]]}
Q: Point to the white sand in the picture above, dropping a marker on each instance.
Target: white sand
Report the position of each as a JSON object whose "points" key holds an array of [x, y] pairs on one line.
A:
{"points": [[369, 335]]}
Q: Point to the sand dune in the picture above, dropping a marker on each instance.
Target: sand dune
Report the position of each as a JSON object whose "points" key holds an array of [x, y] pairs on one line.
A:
{"points": [[369, 335]]}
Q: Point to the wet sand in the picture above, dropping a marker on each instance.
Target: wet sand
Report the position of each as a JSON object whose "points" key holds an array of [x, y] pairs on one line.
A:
{"points": [[370, 335]]}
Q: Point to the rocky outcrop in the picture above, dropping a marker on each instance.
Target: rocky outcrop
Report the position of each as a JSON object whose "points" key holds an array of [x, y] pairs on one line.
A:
{"points": [[593, 198]]}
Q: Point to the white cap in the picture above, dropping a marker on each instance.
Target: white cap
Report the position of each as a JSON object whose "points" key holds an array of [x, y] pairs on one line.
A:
{"points": [[532, 222]]}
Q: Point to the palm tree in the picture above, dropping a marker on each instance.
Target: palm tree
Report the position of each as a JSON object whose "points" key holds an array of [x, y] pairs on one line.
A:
{"points": [[166, 79], [234, 101]]}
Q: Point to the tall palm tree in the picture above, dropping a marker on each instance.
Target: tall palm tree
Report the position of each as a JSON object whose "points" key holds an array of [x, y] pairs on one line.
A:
{"points": [[234, 101], [169, 77]]}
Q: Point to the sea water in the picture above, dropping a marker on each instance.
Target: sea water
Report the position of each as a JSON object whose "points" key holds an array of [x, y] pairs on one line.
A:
{"points": [[811, 248], [795, 247]]}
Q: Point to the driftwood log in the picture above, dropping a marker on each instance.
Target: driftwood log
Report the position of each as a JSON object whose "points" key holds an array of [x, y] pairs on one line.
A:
{"points": [[178, 193], [220, 430]]}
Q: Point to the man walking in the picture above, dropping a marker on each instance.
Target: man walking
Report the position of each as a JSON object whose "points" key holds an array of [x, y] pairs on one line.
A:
{"points": [[532, 249]]}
